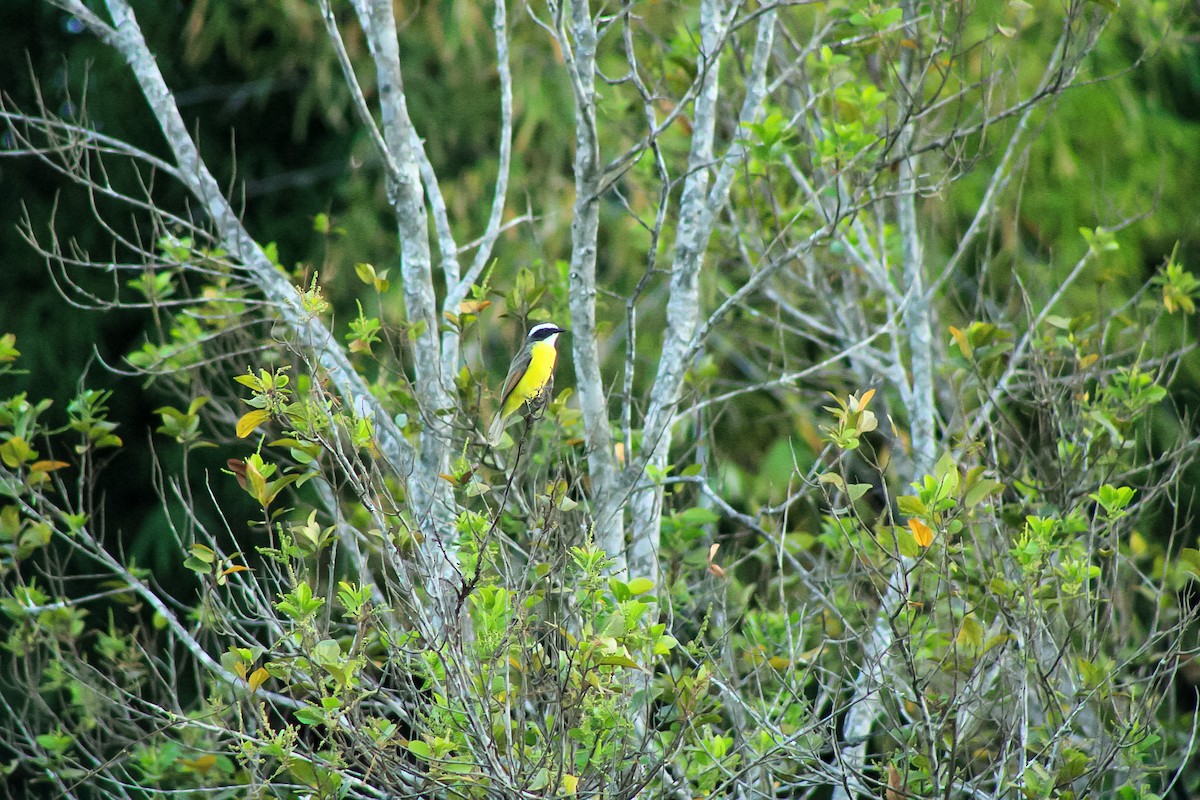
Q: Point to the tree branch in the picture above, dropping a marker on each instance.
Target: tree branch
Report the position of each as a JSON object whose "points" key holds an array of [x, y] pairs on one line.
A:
{"points": [[577, 38], [697, 214]]}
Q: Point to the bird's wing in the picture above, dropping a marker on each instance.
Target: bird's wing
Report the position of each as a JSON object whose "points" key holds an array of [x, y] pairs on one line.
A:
{"points": [[515, 373]]}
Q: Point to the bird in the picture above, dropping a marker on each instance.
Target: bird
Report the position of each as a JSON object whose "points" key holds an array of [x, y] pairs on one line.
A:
{"points": [[530, 380]]}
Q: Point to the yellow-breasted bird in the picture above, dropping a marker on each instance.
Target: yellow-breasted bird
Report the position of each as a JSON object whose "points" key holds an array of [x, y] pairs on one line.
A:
{"points": [[530, 380]]}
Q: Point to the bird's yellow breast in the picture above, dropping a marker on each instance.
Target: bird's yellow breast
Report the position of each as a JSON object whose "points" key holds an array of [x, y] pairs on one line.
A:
{"points": [[537, 375]]}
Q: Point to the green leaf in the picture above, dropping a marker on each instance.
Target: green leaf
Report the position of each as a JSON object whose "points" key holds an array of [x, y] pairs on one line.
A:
{"points": [[905, 542], [980, 491], [8, 350], [327, 652], [946, 472], [1072, 764], [1100, 240], [970, 633], [1189, 558], [203, 553], [365, 272], [310, 715], [618, 661], [640, 586], [196, 565], [620, 589], [55, 742], [696, 517], [16, 451], [1113, 499], [1093, 675], [857, 490], [832, 479]]}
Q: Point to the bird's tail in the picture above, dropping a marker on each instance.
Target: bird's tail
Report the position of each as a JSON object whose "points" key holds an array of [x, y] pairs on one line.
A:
{"points": [[496, 429]]}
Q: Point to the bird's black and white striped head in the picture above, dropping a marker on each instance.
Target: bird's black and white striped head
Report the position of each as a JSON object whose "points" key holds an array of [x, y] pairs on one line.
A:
{"points": [[544, 332]]}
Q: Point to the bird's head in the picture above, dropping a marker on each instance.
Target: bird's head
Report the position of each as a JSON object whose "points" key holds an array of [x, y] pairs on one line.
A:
{"points": [[544, 332]]}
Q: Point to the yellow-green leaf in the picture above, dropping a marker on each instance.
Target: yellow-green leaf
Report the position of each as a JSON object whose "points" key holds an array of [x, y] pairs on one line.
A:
{"points": [[833, 479], [640, 586], [201, 764], [619, 661], [203, 553], [251, 420], [365, 272], [8, 352], [16, 451], [911, 505], [257, 679], [960, 339]]}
